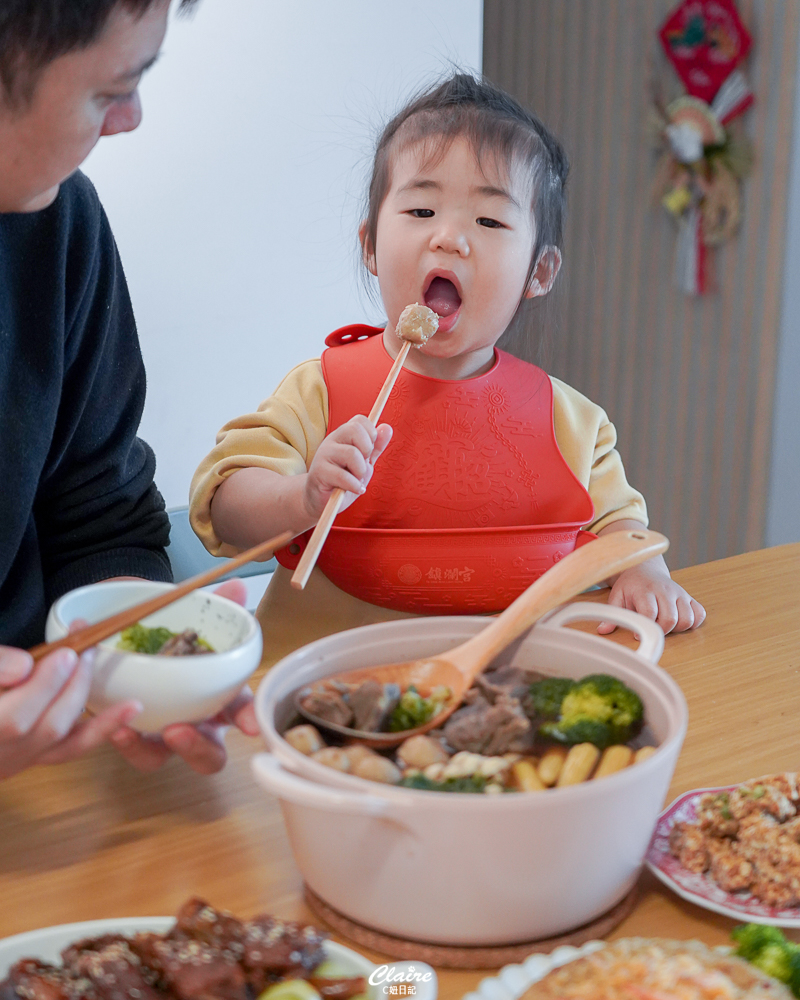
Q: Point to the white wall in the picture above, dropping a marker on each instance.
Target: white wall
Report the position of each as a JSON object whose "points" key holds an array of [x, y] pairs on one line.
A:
{"points": [[235, 205], [783, 503]]}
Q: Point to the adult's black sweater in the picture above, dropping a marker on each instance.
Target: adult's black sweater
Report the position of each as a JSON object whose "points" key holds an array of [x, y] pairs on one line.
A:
{"points": [[77, 498]]}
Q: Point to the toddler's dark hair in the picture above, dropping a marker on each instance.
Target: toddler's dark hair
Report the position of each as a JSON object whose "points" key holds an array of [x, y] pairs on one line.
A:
{"points": [[496, 125]]}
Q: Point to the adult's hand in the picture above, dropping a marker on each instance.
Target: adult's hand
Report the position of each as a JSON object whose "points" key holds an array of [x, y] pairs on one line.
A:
{"points": [[41, 710], [202, 746]]}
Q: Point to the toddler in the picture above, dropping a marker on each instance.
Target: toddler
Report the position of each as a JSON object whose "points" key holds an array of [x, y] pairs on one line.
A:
{"points": [[465, 213]]}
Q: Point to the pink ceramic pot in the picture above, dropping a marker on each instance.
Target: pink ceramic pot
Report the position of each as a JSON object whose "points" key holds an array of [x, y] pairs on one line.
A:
{"points": [[472, 869]]}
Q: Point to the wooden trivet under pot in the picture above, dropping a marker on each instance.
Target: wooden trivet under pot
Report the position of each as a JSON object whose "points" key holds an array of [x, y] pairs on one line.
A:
{"points": [[464, 956]]}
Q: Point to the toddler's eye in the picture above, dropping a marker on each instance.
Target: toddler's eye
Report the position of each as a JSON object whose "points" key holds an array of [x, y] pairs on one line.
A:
{"points": [[422, 213], [490, 223]]}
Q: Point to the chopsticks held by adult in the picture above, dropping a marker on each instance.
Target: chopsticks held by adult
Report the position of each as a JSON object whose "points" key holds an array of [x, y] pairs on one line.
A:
{"points": [[87, 637], [416, 325]]}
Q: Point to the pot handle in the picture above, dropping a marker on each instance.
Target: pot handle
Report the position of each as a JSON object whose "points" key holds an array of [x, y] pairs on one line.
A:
{"points": [[284, 784], [650, 635]]}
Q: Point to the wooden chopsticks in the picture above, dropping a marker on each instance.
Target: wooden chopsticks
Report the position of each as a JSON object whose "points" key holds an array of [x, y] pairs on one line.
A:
{"points": [[308, 560], [87, 637]]}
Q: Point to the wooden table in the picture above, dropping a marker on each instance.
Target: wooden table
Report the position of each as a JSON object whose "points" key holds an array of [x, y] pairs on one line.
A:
{"points": [[96, 839]]}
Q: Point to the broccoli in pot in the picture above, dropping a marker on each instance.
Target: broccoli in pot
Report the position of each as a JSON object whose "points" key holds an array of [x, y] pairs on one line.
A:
{"points": [[547, 695], [598, 709]]}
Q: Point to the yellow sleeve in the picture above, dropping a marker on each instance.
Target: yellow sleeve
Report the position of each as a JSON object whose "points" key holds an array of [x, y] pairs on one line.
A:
{"points": [[587, 440], [282, 435]]}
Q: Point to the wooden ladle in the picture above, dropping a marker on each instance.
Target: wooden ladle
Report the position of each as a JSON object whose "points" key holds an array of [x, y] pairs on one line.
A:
{"points": [[457, 668]]}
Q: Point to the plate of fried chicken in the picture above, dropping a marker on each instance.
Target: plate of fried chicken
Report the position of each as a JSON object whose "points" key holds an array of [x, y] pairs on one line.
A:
{"points": [[734, 849]]}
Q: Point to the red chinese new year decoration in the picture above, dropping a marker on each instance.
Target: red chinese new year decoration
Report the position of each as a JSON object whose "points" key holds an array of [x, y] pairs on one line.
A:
{"points": [[705, 41], [703, 163]]}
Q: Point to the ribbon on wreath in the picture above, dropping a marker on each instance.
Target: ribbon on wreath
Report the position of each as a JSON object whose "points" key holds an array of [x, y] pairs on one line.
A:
{"points": [[703, 162]]}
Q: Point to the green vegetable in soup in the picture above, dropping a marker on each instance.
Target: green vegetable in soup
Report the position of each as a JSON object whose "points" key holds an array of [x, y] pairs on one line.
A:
{"points": [[413, 710], [768, 949], [598, 709], [548, 694], [472, 783], [140, 639]]}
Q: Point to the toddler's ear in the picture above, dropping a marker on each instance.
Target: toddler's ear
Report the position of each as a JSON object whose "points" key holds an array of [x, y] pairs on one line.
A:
{"points": [[367, 251], [545, 272]]}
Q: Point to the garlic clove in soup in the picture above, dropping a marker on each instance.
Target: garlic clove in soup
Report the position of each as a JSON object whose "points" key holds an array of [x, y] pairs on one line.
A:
{"points": [[306, 738], [356, 753], [421, 751], [376, 768], [334, 757]]}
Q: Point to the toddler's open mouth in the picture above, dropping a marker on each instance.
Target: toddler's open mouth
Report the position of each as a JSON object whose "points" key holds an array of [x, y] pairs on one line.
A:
{"points": [[443, 297]]}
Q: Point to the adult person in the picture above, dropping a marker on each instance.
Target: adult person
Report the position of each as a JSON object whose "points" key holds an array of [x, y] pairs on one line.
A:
{"points": [[77, 498]]}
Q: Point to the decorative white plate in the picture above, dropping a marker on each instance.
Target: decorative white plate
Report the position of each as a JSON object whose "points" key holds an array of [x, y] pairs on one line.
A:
{"points": [[701, 888], [48, 942], [512, 980]]}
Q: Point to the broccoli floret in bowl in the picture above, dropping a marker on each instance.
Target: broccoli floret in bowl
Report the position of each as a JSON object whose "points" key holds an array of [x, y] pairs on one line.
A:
{"points": [[598, 709]]}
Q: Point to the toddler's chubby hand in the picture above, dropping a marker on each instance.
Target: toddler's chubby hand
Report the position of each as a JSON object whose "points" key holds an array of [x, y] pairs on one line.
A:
{"points": [[649, 589], [345, 460]]}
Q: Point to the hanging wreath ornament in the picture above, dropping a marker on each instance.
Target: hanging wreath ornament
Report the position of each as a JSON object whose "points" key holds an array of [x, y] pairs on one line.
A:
{"points": [[703, 161]]}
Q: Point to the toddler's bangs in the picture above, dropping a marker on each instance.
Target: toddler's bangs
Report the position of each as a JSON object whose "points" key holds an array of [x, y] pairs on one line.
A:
{"points": [[501, 147]]}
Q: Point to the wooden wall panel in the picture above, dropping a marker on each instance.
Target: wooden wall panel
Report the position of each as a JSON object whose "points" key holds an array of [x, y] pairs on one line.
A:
{"points": [[688, 382]]}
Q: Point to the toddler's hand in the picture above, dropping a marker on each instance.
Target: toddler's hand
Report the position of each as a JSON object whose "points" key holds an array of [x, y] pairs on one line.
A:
{"points": [[649, 589], [345, 460]]}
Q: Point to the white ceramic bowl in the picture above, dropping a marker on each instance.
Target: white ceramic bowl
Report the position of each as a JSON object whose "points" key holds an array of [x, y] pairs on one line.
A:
{"points": [[171, 688], [473, 869]]}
